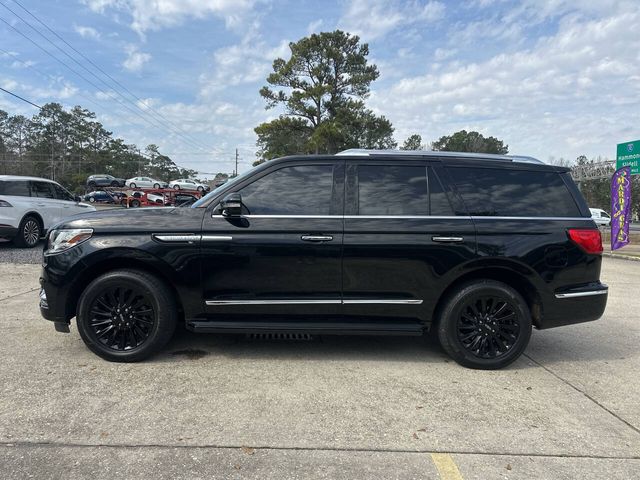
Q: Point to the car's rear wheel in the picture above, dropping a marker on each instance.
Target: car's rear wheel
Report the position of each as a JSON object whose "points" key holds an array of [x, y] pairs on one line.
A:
{"points": [[135, 203], [485, 324], [156, 185], [126, 315], [29, 232], [92, 199], [92, 185], [176, 187], [200, 188]]}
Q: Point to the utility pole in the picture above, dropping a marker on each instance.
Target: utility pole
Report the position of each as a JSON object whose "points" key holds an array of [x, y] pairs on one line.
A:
{"points": [[235, 173]]}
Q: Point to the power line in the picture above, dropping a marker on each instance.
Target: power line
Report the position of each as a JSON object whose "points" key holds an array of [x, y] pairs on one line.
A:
{"points": [[107, 75], [158, 125], [21, 98]]}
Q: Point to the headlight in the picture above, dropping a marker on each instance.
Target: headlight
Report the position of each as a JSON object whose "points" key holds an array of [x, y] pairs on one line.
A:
{"points": [[61, 240]]}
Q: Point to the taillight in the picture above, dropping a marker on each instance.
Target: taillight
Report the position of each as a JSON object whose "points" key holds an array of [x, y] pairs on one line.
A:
{"points": [[589, 239]]}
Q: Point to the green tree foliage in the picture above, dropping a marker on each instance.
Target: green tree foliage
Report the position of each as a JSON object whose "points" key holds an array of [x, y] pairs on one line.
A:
{"points": [[322, 88], [414, 142], [70, 145], [464, 141]]}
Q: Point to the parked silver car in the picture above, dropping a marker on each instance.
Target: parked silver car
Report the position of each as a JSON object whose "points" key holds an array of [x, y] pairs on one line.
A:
{"points": [[186, 184], [145, 182]]}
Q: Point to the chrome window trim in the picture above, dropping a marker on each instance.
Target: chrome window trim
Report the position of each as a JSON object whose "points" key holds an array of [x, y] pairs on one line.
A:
{"points": [[433, 217], [314, 302], [582, 294]]}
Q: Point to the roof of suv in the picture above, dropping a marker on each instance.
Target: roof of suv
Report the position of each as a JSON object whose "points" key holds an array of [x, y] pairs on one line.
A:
{"points": [[429, 153], [20, 177]]}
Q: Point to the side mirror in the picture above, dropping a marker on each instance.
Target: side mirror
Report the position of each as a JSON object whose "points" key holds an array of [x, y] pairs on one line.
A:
{"points": [[231, 205]]}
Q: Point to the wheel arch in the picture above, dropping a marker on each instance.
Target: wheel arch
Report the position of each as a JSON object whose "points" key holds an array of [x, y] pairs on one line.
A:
{"points": [[38, 217], [509, 276], [107, 264]]}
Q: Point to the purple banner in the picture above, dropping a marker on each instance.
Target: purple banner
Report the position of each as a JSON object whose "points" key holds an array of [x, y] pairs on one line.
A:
{"points": [[620, 207]]}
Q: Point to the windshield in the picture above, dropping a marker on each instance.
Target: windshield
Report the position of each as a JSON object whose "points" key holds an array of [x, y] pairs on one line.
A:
{"points": [[215, 191]]}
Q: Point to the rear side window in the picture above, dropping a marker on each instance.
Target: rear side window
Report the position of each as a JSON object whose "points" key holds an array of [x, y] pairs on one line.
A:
{"points": [[514, 193], [392, 190], [295, 190], [42, 190], [17, 188]]}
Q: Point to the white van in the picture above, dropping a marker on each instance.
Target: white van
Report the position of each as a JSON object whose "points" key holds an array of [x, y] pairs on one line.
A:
{"points": [[600, 217], [29, 206]]}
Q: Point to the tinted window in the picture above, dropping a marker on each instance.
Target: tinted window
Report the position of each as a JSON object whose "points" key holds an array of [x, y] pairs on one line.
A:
{"points": [[42, 189], [392, 190], [18, 188], [438, 201], [61, 193], [300, 190], [514, 193]]}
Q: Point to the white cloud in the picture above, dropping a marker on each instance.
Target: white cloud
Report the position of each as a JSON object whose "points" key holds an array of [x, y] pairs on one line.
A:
{"points": [[135, 59], [371, 19], [572, 92], [158, 14], [87, 32], [314, 27]]}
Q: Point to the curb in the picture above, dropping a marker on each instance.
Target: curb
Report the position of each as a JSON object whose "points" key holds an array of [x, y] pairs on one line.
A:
{"points": [[622, 257]]}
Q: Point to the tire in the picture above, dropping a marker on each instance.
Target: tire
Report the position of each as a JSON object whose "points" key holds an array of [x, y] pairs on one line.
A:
{"points": [[92, 185], [479, 320], [135, 203], [156, 186], [105, 304], [29, 232], [176, 187], [92, 199], [114, 184], [132, 185], [200, 189]]}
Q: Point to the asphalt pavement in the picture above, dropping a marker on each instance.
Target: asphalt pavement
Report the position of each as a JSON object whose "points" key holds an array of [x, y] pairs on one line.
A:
{"points": [[214, 406]]}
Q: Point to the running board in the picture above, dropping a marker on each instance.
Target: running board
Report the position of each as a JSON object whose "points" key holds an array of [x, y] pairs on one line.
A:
{"points": [[314, 328]]}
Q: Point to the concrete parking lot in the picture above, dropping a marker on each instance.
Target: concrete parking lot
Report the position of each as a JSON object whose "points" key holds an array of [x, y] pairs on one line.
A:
{"points": [[352, 407]]}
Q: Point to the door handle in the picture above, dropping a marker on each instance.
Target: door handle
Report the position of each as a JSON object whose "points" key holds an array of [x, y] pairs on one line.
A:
{"points": [[447, 239], [316, 238]]}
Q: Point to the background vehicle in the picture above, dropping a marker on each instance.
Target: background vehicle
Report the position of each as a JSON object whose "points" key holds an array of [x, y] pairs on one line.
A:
{"points": [[104, 181], [187, 184], [600, 217], [103, 196], [145, 182], [476, 248], [29, 206]]}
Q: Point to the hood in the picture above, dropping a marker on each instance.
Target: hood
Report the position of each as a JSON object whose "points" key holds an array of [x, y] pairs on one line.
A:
{"points": [[133, 220]]}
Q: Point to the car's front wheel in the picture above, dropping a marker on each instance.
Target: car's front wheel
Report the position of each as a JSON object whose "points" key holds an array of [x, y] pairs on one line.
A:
{"points": [[484, 324], [176, 187], [126, 315], [29, 232], [92, 199], [132, 185], [200, 188], [156, 185]]}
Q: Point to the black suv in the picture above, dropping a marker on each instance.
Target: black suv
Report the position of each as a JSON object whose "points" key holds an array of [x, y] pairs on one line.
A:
{"points": [[94, 181], [475, 248]]}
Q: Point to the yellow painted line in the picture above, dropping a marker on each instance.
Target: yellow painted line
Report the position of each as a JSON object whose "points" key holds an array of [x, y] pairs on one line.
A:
{"points": [[446, 466]]}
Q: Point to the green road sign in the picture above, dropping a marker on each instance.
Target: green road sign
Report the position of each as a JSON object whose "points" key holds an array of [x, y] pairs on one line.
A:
{"points": [[629, 154]]}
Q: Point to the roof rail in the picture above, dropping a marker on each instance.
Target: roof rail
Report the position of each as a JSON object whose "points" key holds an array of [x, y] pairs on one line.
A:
{"points": [[362, 152]]}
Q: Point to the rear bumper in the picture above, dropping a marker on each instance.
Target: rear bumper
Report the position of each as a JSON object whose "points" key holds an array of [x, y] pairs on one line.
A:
{"points": [[575, 305]]}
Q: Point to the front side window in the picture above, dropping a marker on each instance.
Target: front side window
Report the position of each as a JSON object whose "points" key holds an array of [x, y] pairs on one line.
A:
{"points": [[42, 190], [62, 194], [392, 190], [514, 193], [295, 190]]}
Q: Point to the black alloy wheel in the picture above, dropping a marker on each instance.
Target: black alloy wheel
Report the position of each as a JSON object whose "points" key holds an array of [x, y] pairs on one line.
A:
{"points": [[484, 324], [126, 315], [122, 318], [29, 232], [487, 326]]}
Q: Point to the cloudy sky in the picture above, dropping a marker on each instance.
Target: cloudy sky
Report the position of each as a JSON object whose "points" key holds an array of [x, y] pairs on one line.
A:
{"points": [[552, 78]]}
